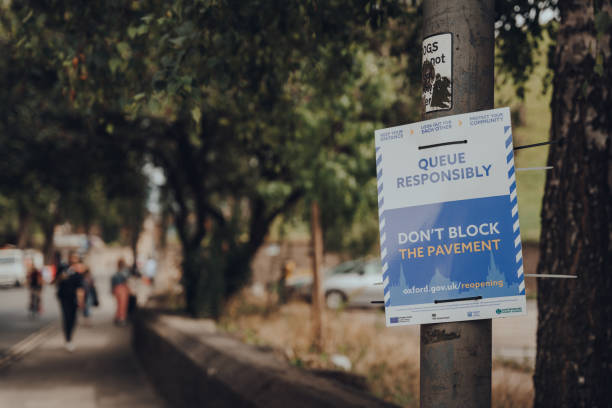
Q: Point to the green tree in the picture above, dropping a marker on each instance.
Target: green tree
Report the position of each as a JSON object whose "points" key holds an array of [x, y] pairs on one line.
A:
{"points": [[50, 168], [276, 111], [218, 95]]}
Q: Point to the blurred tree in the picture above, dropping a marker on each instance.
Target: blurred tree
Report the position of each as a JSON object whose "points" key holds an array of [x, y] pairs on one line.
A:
{"points": [[8, 217], [218, 80], [343, 115], [519, 26], [255, 158], [48, 169], [236, 102]]}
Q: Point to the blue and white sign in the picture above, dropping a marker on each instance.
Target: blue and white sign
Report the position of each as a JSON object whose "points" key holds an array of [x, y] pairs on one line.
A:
{"points": [[449, 230]]}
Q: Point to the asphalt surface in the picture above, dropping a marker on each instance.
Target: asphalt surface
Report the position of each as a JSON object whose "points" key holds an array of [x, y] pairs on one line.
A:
{"points": [[15, 324]]}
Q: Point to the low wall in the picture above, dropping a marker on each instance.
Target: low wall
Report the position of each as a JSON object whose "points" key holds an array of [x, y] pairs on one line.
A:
{"points": [[193, 365]]}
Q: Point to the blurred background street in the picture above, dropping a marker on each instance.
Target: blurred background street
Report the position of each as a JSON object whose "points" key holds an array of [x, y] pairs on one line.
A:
{"points": [[101, 372]]}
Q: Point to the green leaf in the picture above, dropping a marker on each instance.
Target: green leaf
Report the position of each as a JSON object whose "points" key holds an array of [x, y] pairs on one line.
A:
{"points": [[136, 31], [186, 28], [113, 64], [599, 66], [178, 41], [124, 50], [196, 114], [142, 29]]}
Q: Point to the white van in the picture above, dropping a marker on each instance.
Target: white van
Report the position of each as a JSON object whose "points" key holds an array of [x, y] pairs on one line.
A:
{"points": [[12, 268]]}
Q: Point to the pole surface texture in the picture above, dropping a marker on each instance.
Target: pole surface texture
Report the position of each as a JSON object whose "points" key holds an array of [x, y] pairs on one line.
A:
{"points": [[456, 357]]}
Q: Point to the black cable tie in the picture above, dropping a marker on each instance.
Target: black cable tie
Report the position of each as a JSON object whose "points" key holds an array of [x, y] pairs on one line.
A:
{"points": [[377, 302], [458, 300], [560, 141], [442, 144]]}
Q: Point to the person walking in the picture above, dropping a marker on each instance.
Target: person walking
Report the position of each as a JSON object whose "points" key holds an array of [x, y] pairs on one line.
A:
{"points": [[121, 291], [91, 295], [71, 295], [35, 284]]}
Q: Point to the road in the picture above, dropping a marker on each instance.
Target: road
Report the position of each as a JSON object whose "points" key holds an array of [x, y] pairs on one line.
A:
{"points": [[15, 325]]}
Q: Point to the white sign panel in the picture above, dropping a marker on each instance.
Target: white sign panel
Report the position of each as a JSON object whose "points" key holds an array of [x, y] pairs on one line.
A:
{"points": [[449, 231], [438, 72]]}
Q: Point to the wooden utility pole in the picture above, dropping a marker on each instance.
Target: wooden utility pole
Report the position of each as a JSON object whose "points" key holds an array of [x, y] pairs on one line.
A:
{"points": [[456, 357], [317, 278]]}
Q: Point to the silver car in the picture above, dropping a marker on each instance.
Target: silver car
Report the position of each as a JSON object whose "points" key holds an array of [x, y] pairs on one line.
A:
{"points": [[352, 283]]}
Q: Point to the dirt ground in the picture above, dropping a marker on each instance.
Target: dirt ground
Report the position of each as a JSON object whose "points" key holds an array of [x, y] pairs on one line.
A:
{"points": [[388, 359]]}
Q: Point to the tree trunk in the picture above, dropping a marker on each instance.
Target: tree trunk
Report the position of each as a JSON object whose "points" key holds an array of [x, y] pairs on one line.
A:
{"points": [[134, 238], [48, 232], [574, 356], [47, 223], [23, 231], [203, 281], [317, 278]]}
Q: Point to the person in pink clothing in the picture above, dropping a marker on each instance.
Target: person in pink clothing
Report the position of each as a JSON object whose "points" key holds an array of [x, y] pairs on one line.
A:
{"points": [[121, 291]]}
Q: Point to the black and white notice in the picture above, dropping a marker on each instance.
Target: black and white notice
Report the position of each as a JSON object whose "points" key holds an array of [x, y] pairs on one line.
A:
{"points": [[438, 72]]}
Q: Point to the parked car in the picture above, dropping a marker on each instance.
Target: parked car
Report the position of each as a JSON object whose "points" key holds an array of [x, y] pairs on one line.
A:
{"points": [[12, 268], [352, 283]]}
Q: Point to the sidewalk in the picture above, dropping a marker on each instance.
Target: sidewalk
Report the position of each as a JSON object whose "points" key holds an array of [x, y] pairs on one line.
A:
{"points": [[101, 372]]}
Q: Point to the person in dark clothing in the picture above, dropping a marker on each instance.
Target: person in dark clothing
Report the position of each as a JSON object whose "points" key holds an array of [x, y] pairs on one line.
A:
{"points": [[58, 266], [71, 295], [35, 284]]}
